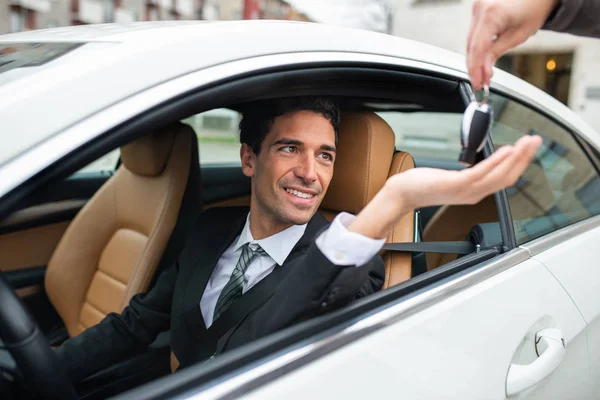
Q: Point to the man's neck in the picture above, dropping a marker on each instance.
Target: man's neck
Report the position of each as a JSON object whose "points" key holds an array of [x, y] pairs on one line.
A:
{"points": [[264, 226]]}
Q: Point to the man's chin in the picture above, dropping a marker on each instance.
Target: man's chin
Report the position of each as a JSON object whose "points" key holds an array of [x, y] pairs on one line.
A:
{"points": [[300, 218]]}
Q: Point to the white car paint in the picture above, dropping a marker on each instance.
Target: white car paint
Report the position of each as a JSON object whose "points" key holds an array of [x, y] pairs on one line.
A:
{"points": [[460, 348], [143, 55], [574, 263], [457, 346]]}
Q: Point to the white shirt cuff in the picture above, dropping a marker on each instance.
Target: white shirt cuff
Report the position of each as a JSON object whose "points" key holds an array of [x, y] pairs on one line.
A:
{"points": [[343, 247]]}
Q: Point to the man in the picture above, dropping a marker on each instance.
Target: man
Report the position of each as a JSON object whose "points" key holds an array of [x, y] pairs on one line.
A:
{"points": [[500, 25], [243, 275]]}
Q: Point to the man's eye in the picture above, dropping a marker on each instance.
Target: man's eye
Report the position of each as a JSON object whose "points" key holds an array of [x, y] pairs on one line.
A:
{"points": [[326, 156], [288, 149]]}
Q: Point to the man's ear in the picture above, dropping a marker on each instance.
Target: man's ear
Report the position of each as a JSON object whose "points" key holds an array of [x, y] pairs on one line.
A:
{"points": [[248, 159]]}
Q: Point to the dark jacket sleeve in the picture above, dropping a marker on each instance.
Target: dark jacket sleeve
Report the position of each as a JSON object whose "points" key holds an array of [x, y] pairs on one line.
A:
{"points": [[118, 335], [314, 286], [579, 17]]}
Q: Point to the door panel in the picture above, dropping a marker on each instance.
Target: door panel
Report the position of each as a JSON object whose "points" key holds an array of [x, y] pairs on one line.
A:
{"points": [[31, 247], [574, 263], [458, 348]]}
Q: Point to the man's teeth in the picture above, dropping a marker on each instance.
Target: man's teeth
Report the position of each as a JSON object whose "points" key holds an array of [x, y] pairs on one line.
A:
{"points": [[299, 194]]}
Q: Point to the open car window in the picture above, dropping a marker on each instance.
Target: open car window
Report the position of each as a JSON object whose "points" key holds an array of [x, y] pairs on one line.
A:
{"points": [[560, 187], [434, 135], [218, 136]]}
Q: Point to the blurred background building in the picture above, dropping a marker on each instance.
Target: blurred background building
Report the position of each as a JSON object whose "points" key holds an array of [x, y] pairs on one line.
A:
{"points": [[20, 15], [564, 66]]}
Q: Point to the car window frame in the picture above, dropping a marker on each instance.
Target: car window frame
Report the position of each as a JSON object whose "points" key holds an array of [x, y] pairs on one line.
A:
{"points": [[447, 281], [588, 149]]}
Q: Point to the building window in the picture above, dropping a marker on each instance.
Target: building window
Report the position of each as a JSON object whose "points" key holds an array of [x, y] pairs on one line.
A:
{"points": [[152, 12], [21, 19]]}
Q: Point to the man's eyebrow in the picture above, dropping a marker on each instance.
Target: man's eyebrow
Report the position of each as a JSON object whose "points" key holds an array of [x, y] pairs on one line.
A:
{"points": [[327, 147], [288, 142], [296, 142]]}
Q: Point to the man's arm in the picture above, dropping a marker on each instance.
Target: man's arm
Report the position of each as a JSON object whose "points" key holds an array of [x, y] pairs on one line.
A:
{"points": [[578, 17], [426, 187], [118, 335]]}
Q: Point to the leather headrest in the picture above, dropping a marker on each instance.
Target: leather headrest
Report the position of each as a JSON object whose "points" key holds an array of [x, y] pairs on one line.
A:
{"points": [[148, 155], [364, 155]]}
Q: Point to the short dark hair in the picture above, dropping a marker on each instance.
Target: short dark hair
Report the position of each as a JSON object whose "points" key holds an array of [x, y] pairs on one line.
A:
{"points": [[258, 117]]}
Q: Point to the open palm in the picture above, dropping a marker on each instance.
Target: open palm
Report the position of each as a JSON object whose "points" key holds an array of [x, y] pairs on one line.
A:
{"points": [[422, 187]]}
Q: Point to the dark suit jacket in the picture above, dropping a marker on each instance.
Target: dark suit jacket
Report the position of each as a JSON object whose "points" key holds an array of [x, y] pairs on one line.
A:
{"points": [[306, 284]]}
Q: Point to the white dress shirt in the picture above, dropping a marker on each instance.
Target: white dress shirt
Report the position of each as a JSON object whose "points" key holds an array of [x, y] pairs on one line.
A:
{"points": [[339, 245]]}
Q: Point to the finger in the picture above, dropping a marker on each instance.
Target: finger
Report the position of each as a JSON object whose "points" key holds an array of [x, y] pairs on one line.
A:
{"points": [[505, 42], [507, 172], [476, 54], [473, 72], [480, 170], [480, 43]]}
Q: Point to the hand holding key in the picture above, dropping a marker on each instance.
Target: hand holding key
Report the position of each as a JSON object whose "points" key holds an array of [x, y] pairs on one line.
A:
{"points": [[496, 27]]}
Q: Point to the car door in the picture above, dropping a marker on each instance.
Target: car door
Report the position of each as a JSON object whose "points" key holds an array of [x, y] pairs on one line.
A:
{"points": [[503, 329], [561, 189], [466, 344]]}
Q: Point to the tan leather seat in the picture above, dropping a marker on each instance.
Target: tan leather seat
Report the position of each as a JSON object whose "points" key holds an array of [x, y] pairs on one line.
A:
{"points": [[364, 156], [365, 159], [111, 250], [453, 223], [398, 265]]}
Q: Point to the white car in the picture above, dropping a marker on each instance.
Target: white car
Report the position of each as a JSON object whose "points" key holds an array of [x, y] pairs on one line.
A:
{"points": [[517, 316]]}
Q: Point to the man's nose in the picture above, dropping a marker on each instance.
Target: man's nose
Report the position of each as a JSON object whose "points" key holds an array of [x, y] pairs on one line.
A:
{"points": [[306, 169]]}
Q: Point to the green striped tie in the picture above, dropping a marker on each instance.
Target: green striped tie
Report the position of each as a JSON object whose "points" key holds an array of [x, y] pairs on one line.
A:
{"points": [[233, 289]]}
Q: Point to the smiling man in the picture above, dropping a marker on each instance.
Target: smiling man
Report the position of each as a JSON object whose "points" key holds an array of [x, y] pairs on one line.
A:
{"points": [[245, 273]]}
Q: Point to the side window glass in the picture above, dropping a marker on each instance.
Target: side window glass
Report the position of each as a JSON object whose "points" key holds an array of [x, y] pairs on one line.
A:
{"points": [[432, 135], [218, 136], [560, 187], [106, 163]]}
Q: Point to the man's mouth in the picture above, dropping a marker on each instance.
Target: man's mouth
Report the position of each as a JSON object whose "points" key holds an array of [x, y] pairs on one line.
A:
{"points": [[299, 193]]}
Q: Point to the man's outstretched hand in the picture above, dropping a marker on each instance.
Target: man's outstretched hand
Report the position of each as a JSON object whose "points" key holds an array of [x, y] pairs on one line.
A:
{"points": [[424, 187], [496, 27]]}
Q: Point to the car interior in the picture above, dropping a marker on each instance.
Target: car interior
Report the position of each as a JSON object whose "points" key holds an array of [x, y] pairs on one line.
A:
{"points": [[77, 244]]}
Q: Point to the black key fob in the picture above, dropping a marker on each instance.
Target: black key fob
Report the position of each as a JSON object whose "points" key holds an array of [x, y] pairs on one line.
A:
{"points": [[475, 130]]}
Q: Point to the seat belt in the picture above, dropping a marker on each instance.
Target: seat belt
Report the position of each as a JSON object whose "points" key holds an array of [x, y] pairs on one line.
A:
{"points": [[432, 247]]}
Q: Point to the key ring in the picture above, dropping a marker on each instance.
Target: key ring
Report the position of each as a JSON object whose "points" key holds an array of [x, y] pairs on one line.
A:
{"points": [[486, 94]]}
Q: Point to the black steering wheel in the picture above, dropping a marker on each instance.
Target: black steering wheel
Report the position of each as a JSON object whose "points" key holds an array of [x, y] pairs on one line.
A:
{"points": [[30, 349]]}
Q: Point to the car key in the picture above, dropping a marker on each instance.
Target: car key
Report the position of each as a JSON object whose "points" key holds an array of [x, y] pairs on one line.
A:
{"points": [[475, 129]]}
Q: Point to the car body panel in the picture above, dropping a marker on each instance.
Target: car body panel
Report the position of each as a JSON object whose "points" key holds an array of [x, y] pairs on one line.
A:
{"points": [[458, 348], [174, 50], [56, 146], [455, 339], [574, 262]]}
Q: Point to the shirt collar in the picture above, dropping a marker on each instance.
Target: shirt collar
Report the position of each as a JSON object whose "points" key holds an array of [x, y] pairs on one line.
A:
{"points": [[278, 246]]}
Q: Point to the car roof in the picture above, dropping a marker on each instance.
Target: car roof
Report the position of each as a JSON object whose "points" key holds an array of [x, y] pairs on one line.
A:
{"points": [[120, 60]]}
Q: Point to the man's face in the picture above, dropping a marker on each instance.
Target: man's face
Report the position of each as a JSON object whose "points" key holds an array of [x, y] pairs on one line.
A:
{"points": [[291, 174]]}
